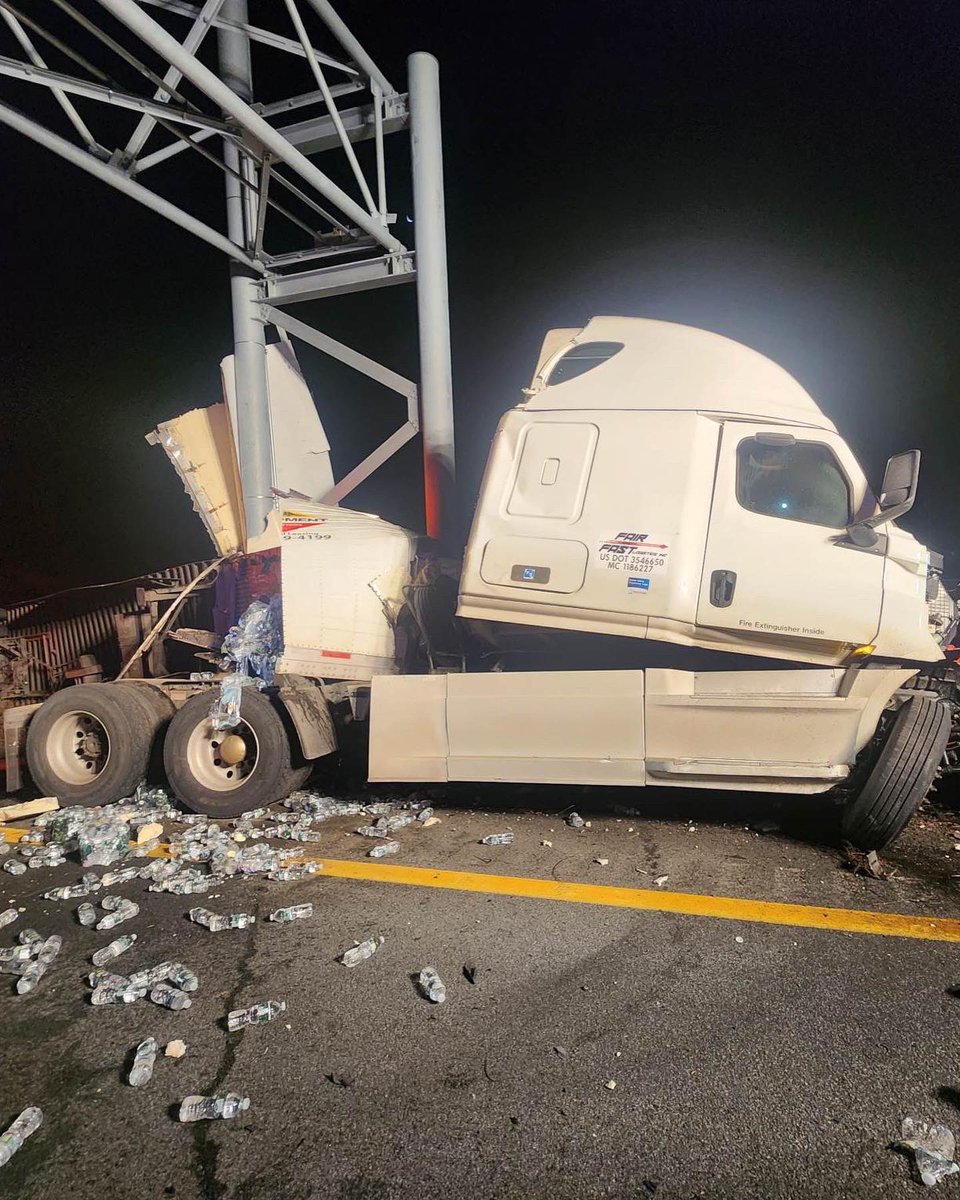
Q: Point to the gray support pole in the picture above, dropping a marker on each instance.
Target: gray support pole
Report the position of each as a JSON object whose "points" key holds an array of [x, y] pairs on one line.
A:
{"points": [[436, 384], [254, 446]]}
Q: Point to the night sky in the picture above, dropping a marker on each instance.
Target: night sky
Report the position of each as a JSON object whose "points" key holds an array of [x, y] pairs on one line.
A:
{"points": [[784, 173]]}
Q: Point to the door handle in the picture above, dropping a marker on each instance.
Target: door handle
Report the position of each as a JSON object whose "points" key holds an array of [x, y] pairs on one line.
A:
{"points": [[722, 586]]}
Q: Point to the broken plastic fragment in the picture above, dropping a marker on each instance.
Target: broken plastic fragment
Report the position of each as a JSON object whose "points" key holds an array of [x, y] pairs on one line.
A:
{"points": [[933, 1146]]}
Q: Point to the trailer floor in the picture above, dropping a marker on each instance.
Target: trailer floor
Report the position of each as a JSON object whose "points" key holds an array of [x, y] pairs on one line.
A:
{"points": [[750, 1059]]}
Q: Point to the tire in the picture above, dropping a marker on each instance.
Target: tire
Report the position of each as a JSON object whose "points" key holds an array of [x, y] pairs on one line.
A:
{"points": [[89, 745], [206, 784], [158, 711], [901, 776]]}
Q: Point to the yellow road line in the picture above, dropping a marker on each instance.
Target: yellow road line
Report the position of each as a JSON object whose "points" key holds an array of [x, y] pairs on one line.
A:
{"points": [[729, 908]]}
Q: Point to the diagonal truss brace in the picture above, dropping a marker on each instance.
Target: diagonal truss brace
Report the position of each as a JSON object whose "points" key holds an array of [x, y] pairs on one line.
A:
{"points": [[373, 370]]}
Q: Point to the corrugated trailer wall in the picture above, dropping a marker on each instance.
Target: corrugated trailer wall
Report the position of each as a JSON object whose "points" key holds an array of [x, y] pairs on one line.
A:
{"points": [[81, 621]]}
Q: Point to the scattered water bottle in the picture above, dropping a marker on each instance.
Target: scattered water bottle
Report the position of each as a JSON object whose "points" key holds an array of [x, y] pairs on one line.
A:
{"points": [[304, 835], [432, 985], [10, 1142], [100, 978], [123, 912], [291, 874], [183, 978], [497, 839], [37, 969], [241, 920], [356, 954], [31, 939], [209, 920], [400, 821], [142, 1067], [107, 994], [296, 912], [150, 976], [372, 831], [424, 815], [16, 953], [170, 997], [114, 949], [8, 916], [73, 892], [13, 867], [257, 1014], [111, 903], [210, 1108], [575, 821], [111, 878], [87, 914], [384, 848]]}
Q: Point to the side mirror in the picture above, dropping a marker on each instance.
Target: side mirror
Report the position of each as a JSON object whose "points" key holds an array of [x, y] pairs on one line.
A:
{"points": [[899, 489], [897, 494]]}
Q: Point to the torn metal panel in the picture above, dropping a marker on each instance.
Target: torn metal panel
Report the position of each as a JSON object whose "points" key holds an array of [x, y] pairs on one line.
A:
{"points": [[300, 450], [200, 445]]}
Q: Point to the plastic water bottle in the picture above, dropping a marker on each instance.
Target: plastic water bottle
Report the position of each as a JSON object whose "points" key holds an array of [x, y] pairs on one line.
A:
{"points": [[30, 938], [575, 821], [16, 954], [73, 892], [432, 985], [106, 994], [209, 920], [292, 874], [113, 949], [7, 917], [10, 1142], [296, 912], [385, 848], [170, 997], [13, 867], [150, 976], [424, 815], [356, 954], [400, 821], [142, 1067], [497, 839], [372, 831], [241, 920], [37, 969], [87, 914], [111, 903], [110, 878], [210, 1108], [123, 912], [183, 978], [101, 978], [257, 1014]]}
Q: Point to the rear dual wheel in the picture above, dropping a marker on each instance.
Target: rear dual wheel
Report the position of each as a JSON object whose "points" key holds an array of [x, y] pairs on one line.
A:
{"points": [[226, 772], [92, 743]]}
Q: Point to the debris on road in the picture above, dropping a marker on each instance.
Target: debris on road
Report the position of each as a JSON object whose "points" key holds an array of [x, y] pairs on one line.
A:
{"points": [[470, 972], [497, 839], [37, 969], [546, 843], [10, 1142], [28, 808], [863, 864], [383, 849], [362, 950], [124, 911], [610, 1085], [212, 1108], [113, 949], [216, 922], [256, 1014], [175, 1049], [116, 994], [102, 839], [295, 912], [432, 985], [660, 880], [183, 978], [602, 862], [7, 917], [13, 867], [575, 821], [142, 1068], [738, 939], [933, 1146], [170, 997]]}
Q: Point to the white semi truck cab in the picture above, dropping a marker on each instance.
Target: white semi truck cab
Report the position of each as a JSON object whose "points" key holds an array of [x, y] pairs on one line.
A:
{"points": [[677, 574]]}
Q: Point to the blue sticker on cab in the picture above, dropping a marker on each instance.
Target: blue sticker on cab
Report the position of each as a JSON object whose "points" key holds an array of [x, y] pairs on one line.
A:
{"points": [[638, 583]]}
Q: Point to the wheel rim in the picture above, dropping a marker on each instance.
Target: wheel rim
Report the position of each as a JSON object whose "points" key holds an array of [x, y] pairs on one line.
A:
{"points": [[78, 747], [209, 769]]}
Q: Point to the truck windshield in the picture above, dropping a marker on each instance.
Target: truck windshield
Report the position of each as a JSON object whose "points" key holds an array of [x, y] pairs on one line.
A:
{"points": [[799, 482]]}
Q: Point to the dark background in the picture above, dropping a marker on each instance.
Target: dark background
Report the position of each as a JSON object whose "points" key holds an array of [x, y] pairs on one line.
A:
{"points": [[783, 173]]}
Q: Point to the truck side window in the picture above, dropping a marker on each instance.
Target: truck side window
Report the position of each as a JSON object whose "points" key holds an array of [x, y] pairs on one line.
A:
{"points": [[798, 482], [580, 359]]}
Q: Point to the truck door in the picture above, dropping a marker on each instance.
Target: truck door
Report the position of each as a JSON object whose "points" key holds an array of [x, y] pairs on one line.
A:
{"points": [[773, 566]]}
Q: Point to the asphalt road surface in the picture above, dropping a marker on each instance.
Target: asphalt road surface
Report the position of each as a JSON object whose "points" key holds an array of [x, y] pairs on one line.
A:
{"points": [[749, 1059]]}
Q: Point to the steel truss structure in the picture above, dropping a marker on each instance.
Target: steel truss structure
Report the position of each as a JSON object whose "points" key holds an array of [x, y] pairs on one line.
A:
{"points": [[344, 238]]}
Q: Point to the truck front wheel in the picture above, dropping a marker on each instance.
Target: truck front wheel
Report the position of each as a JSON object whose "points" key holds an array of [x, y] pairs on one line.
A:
{"points": [[90, 744], [901, 775], [226, 772]]}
